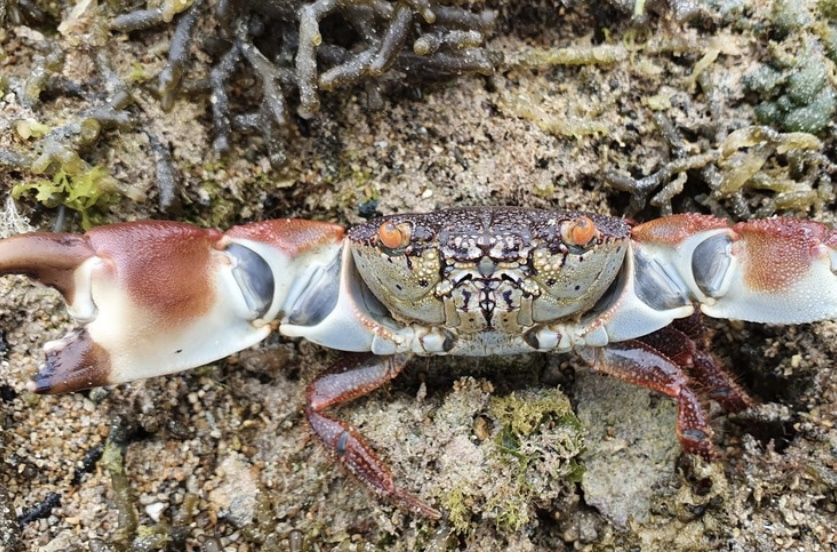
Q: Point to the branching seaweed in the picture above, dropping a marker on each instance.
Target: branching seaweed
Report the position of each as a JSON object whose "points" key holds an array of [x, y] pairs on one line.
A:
{"points": [[293, 50], [61, 155], [788, 165], [169, 199], [294, 47]]}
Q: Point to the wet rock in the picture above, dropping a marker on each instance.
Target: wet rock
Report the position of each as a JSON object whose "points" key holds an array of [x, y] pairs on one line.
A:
{"points": [[630, 443], [236, 496]]}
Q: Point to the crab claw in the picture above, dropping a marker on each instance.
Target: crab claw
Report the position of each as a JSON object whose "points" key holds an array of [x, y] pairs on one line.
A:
{"points": [[781, 271], [776, 271], [154, 298]]}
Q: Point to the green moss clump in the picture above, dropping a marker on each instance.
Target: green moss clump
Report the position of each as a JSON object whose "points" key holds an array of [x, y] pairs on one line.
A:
{"points": [[151, 538], [807, 81], [828, 36], [540, 438], [727, 9], [796, 93], [138, 74], [765, 79], [531, 461], [813, 117], [222, 207], [799, 98], [788, 16], [262, 531], [828, 9], [459, 511], [522, 413], [512, 511], [123, 497], [82, 190]]}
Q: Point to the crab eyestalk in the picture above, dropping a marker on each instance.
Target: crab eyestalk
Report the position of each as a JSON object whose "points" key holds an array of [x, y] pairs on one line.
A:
{"points": [[154, 298]]}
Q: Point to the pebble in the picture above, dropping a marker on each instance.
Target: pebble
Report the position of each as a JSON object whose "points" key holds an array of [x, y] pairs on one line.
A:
{"points": [[155, 510], [236, 495]]}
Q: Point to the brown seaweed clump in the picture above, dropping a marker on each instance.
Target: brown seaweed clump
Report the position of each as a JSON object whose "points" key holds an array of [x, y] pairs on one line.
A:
{"points": [[292, 50], [295, 50]]}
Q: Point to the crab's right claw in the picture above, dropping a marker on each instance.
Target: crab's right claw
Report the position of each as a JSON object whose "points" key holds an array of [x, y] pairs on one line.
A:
{"points": [[158, 297]]}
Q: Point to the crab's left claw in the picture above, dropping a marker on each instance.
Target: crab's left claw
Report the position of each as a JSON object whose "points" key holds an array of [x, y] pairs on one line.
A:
{"points": [[775, 271], [785, 272], [158, 297]]}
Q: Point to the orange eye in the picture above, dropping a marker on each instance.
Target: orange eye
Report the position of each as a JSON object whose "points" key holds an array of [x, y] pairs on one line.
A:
{"points": [[394, 236], [579, 232]]}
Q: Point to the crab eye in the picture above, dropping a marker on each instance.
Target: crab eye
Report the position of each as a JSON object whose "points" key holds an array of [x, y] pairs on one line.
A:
{"points": [[579, 232], [394, 236]]}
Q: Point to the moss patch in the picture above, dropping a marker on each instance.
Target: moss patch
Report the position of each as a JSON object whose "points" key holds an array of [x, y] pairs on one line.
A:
{"points": [[86, 191]]}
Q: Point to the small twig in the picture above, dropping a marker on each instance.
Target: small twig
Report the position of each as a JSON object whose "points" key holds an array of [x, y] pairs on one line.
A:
{"points": [[220, 101], [167, 190], [138, 20], [169, 79], [40, 510]]}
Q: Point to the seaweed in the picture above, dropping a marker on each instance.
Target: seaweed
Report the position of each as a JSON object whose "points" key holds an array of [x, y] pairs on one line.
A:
{"points": [[169, 200], [794, 85], [63, 149], [80, 189], [124, 499], [309, 48], [540, 438], [17, 12], [293, 50], [790, 166], [681, 10], [59, 152], [799, 98]]}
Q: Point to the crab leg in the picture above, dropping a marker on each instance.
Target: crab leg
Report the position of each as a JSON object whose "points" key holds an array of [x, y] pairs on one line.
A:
{"points": [[349, 379], [158, 297], [714, 376], [677, 342], [638, 363]]}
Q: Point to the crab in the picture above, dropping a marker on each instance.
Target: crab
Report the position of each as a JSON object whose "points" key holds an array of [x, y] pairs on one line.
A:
{"points": [[157, 297]]}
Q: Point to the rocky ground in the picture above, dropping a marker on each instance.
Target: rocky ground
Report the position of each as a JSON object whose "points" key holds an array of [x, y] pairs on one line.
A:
{"points": [[727, 105]]}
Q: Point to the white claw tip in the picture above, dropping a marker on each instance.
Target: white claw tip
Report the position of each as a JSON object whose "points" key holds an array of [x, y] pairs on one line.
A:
{"points": [[54, 346]]}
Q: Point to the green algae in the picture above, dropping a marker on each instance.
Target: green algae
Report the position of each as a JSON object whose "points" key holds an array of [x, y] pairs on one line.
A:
{"points": [[794, 85], [799, 98], [87, 191], [522, 413]]}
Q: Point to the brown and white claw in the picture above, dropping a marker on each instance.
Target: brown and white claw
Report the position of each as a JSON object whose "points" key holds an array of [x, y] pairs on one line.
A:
{"points": [[777, 271], [160, 297], [785, 272]]}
